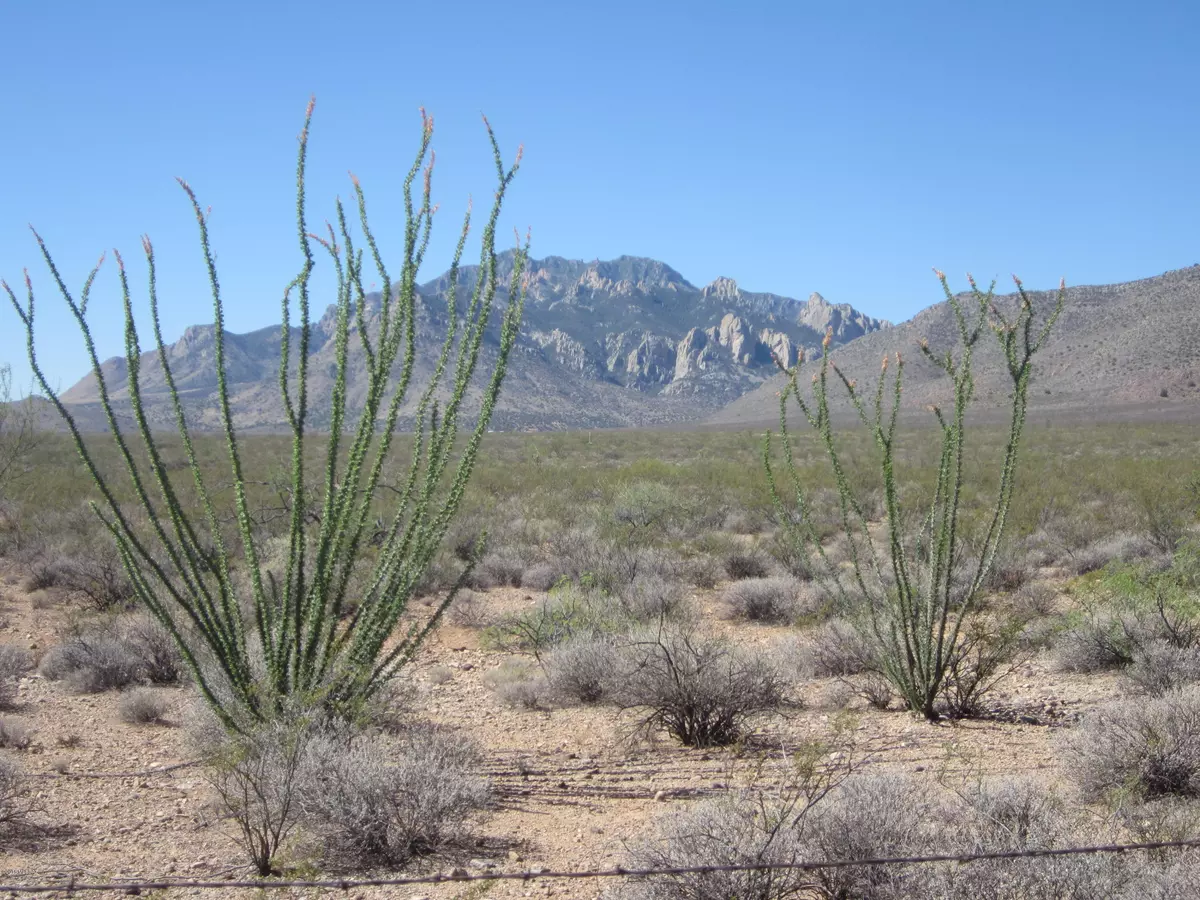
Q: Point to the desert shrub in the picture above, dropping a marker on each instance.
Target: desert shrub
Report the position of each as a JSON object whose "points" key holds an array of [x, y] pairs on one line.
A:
{"points": [[468, 610], [143, 706], [702, 691], [569, 611], [772, 601], [791, 557], [583, 668], [651, 598], [1099, 643], [154, 649], [541, 577], [986, 651], [113, 655], [14, 662], [731, 830], [702, 571], [836, 649], [1164, 514], [763, 822], [1148, 747], [96, 574], [43, 574], [498, 569], [91, 662], [16, 802], [518, 683], [747, 565], [872, 816], [256, 776], [1016, 815], [1010, 570], [338, 512], [15, 735], [646, 506], [1033, 600], [876, 690], [368, 800], [745, 521], [1159, 666], [586, 558]]}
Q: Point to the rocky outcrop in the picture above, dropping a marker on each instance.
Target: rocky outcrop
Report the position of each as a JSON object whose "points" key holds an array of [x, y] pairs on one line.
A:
{"points": [[561, 348], [779, 347], [847, 322], [652, 362], [734, 333]]}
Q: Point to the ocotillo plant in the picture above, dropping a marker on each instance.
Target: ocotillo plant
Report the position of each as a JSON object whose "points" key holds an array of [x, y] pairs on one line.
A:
{"points": [[915, 594], [299, 643]]}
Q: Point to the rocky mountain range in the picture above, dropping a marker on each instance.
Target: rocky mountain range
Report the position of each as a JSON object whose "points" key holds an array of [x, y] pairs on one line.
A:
{"points": [[626, 342]]}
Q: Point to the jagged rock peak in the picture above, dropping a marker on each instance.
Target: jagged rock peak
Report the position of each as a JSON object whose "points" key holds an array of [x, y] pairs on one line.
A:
{"points": [[722, 288], [847, 322], [735, 334]]}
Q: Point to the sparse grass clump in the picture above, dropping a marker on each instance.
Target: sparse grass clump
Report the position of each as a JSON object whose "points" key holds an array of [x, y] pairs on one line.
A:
{"points": [[518, 682], [143, 706]]}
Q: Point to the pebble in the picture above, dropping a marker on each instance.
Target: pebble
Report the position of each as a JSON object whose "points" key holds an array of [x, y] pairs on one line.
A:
{"points": [[660, 796]]}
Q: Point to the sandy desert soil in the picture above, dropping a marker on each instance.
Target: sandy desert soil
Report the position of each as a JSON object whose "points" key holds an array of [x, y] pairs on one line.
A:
{"points": [[571, 784]]}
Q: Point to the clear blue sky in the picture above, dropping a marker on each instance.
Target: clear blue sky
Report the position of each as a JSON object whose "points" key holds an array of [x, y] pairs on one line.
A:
{"points": [[840, 147]]}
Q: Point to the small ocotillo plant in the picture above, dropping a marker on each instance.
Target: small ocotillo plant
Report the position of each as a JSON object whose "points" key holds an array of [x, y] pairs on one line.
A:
{"points": [[299, 642], [915, 594]]}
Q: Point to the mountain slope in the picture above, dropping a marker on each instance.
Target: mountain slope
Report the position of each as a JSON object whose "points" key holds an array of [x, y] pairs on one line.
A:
{"points": [[1114, 344]]}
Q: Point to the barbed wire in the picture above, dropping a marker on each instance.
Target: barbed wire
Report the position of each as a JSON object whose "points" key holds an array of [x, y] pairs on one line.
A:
{"points": [[136, 887]]}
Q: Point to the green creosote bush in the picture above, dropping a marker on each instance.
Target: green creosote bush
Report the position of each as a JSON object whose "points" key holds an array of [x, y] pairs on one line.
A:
{"points": [[916, 593], [297, 643]]}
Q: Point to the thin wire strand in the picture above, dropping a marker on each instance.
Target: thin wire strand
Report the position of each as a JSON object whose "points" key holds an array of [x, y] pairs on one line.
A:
{"points": [[136, 887]]}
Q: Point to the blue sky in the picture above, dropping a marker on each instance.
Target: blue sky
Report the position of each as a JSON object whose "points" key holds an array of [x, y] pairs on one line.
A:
{"points": [[840, 147]]}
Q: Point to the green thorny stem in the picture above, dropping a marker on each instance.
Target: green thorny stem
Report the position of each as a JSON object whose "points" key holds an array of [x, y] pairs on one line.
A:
{"points": [[296, 644], [917, 605]]}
